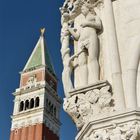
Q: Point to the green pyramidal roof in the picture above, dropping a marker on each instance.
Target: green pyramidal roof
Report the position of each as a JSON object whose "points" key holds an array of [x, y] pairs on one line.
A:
{"points": [[36, 59], [40, 56]]}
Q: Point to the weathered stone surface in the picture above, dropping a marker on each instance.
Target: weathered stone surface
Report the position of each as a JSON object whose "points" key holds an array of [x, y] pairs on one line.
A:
{"points": [[117, 126], [89, 103], [94, 107]]}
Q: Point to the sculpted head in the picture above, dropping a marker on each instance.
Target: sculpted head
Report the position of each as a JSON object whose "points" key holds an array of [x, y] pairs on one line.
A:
{"points": [[66, 16], [86, 8]]}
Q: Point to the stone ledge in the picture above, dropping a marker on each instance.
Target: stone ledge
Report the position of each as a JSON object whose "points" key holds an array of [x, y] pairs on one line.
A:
{"points": [[107, 121], [28, 112], [96, 85]]}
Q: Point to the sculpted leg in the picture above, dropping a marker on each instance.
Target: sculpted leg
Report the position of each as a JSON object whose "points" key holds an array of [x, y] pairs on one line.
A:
{"points": [[66, 74], [66, 79], [83, 73], [93, 65]]}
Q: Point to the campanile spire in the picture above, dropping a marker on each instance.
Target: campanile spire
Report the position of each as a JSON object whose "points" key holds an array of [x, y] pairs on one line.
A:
{"points": [[36, 104], [42, 31]]}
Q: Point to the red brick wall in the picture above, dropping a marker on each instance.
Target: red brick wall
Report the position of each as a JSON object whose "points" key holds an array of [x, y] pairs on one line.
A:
{"points": [[49, 134], [12, 135], [34, 132], [40, 76], [31, 133], [24, 133], [39, 132]]}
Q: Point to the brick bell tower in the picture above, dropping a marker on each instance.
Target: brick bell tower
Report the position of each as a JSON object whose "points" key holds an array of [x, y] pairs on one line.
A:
{"points": [[36, 104]]}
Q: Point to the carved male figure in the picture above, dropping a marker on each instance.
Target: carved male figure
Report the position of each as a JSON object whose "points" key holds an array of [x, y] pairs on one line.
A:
{"points": [[88, 40]]}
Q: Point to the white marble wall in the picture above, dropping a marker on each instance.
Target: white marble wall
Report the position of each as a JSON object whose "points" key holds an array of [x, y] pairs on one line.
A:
{"points": [[119, 57], [127, 19]]}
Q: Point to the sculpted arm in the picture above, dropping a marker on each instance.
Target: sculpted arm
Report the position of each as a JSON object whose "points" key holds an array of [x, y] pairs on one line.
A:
{"points": [[98, 23], [74, 34]]}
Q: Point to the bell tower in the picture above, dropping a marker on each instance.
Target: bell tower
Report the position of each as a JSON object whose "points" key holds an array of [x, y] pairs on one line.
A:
{"points": [[36, 104]]}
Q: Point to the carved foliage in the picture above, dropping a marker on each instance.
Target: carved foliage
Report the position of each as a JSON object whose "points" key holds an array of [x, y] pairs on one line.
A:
{"points": [[73, 6], [83, 107], [127, 131]]}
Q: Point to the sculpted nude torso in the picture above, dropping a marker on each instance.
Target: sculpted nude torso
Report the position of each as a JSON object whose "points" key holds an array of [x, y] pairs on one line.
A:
{"points": [[88, 40], [87, 31], [87, 49]]}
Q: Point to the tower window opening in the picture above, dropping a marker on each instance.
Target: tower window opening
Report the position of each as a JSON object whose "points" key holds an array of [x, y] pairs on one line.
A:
{"points": [[49, 106], [21, 107], [47, 102], [32, 103], [37, 100], [54, 112], [51, 109], [51, 84], [26, 104]]}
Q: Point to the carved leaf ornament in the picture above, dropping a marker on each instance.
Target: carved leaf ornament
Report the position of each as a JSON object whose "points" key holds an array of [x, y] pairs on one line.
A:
{"points": [[89, 104]]}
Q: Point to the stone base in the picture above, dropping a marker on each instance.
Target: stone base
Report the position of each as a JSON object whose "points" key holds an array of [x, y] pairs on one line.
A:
{"points": [[92, 108], [118, 126], [89, 102]]}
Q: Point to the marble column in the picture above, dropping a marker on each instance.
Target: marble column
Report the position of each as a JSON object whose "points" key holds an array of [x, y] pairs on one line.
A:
{"points": [[114, 54], [138, 86], [131, 18]]}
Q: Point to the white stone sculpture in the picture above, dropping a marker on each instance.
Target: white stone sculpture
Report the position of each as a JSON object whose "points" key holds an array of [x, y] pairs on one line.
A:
{"points": [[87, 48], [86, 105], [65, 51], [94, 107], [87, 39], [31, 81], [101, 134], [127, 131]]}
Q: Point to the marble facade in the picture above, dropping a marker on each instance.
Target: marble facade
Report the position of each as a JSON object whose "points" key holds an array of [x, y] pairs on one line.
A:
{"points": [[105, 63]]}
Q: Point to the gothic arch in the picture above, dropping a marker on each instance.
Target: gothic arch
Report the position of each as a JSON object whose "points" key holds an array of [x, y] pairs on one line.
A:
{"points": [[37, 101], [51, 108], [26, 104], [31, 103], [21, 106], [54, 111]]}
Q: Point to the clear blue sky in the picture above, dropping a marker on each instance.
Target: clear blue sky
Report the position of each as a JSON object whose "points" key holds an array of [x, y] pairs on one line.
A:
{"points": [[20, 21]]}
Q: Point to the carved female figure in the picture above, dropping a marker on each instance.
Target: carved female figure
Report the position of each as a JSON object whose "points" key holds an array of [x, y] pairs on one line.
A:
{"points": [[88, 40], [65, 52]]}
